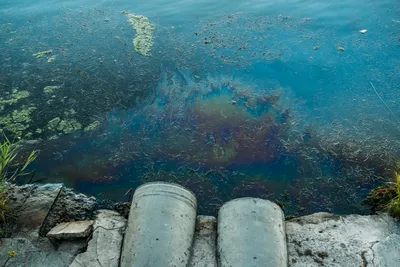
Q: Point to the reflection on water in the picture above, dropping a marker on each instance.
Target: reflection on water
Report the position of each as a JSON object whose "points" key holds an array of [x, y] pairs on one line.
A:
{"points": [[285, 100]]}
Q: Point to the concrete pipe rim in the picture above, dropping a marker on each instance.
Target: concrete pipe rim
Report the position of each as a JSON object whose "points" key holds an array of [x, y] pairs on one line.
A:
{"points": [[168, 183], [248, 198]]}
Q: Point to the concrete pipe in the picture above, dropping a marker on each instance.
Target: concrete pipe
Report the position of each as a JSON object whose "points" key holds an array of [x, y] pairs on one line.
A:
{"points": [[251, 233], [160, 228]]}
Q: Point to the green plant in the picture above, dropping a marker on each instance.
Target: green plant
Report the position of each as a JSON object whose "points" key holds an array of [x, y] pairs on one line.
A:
{"points": [[10, 168], [394, 205]]}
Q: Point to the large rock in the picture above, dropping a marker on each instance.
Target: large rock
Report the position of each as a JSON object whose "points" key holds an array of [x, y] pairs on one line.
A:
{"points": [[69, 206], [31, 203], [104, 249], [205, 243], [323, 239], [71, 230]]}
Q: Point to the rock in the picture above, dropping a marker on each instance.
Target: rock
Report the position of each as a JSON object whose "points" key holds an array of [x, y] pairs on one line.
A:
{"points": [[104, 249], [205, 243], [71, 230], [122, 208], [323, 239], [31, 203], [69, 207], [38, 252], [386, 251]]}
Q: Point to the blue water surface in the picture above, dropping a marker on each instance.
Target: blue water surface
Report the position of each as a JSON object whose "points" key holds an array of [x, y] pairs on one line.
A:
{"points": [[284, 100]]}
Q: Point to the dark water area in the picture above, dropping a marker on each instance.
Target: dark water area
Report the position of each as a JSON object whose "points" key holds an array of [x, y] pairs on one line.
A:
{"points": [[292, 101]]}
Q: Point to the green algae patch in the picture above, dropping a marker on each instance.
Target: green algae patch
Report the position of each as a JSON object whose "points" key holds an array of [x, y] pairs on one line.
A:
{"points": [[52, 124], [63, 126], [13, 98], [91, 127], [18, 121], [51, 89], [42, 54], [68, 126], [143, 41]]}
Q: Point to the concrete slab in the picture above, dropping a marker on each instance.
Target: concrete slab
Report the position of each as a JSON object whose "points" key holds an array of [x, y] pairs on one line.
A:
{"points": [[104, 249], [38, 252], [324, 239], [71, 230]]}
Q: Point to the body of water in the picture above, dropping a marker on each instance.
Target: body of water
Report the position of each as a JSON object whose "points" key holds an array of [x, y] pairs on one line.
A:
{"points": [[293, 101]]}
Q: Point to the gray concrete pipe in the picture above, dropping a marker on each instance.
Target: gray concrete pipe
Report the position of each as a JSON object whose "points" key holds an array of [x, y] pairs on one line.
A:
{"points": [[160, 228], [251, 233]]}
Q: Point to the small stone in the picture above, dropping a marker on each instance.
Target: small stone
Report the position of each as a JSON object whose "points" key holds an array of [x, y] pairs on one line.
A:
{"points": [[71, 230]]}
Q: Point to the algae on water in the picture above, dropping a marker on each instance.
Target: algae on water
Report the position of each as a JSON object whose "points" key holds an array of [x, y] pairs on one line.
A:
{"points": [[14, 98], [143, 41], [94, 125], [50, 89], [18, 121], [68, 126], [42, 54]]}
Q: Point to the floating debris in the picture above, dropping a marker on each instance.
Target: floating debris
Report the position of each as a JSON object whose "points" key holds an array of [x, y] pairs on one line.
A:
{"points": [[42, 54], [50, 89], [94, 125], [52, 59], [143, 41], [341, 49], [363, 31]]}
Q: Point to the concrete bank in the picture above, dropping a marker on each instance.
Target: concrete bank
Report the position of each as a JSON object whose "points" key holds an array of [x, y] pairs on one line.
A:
{"points": [[54, 226]]}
